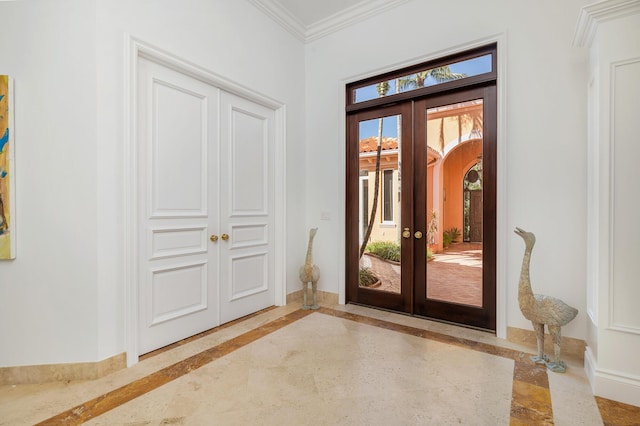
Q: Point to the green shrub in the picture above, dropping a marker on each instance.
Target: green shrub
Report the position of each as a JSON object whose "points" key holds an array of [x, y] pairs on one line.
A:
{"points": [[449, 236], [385, 249], [367, 278], [429, 253]]}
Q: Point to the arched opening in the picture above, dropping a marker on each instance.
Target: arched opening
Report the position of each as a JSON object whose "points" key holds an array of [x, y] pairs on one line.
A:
{"points": [[472, 203]]}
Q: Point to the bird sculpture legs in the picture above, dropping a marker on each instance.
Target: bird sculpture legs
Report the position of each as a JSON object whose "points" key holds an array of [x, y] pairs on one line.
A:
{"points": [[539, 329], [314, 290], [557, 365], [304, 296]]}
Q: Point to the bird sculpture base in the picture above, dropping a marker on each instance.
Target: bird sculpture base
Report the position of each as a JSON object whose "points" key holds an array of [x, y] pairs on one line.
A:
{"points": [[556, 367], [539, 360]]}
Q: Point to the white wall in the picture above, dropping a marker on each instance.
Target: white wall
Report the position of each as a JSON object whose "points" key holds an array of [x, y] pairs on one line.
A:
{"points": [[48, 295], [62, 299], [545, 129]]}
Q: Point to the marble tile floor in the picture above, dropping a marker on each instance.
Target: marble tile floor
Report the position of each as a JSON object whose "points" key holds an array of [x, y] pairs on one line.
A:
{"points": [[340, 365]]}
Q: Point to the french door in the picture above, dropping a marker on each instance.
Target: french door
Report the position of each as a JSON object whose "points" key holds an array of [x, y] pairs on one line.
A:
{"points": [[421, 237]]}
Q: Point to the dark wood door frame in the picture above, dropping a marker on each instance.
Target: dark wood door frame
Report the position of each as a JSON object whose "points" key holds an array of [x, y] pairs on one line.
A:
{"points": [[412, 298]]}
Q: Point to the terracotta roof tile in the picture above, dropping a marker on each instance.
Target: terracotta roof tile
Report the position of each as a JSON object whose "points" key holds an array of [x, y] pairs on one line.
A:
{"points": [[370, 144]]}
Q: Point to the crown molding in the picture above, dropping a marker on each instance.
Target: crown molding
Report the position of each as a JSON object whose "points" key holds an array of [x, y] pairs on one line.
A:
{"points": [[282, 16], [594, 14], [354, 14]]}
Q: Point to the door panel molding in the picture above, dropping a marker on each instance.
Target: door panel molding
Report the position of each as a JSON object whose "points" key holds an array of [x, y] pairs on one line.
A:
{"points": [[163, 244], [134, 50], [157, 315], [239, 265], [249, 234], [246, 158], [164, 187]]}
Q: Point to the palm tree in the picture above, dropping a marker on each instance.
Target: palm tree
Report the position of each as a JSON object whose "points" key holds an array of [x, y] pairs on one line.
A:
{"points": [[383, 89], [439, 74], [417, 80]]}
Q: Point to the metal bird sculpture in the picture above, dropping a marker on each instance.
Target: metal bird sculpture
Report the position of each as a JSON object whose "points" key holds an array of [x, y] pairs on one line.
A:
{"points": [[541, 310], [310, 273]]}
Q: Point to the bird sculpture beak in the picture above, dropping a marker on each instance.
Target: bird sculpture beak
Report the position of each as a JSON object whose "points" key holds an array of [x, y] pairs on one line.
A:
{"points": [[519, 231]]}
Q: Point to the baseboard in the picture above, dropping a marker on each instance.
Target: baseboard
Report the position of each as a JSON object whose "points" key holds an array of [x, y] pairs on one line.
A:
{"points": [[571, 348], [611, 384], [33, 374], [323, 297], [590, 366]]}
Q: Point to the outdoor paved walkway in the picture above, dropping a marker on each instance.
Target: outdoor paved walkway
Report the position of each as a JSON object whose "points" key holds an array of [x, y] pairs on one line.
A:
{"points": [[453, 276]]}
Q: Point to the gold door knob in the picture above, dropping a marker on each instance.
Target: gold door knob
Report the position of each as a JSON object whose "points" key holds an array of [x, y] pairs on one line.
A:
{"points": [[418, 235], [225, 237], [213, 238], [406, 233]]}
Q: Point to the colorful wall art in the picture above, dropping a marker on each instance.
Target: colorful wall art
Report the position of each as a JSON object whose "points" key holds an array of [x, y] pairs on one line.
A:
{"points": [[7, 174]]}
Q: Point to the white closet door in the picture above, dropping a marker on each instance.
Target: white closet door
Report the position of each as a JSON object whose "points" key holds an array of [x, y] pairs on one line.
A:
{"points": [[246, 206], [178, 206]]}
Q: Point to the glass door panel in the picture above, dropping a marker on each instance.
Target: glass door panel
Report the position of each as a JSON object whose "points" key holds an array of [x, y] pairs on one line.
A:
{"points": [[453, 196], [376, 150], [379, 201], [455, 139]]}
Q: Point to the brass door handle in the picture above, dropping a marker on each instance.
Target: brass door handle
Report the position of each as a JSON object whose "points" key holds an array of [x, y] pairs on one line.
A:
{"points": [[225, 237], [418, 235], [406, 233], [213, 238]]}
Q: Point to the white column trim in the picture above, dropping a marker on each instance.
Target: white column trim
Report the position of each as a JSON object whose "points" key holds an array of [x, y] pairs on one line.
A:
{"points": [[592, 15], [612, 142]]}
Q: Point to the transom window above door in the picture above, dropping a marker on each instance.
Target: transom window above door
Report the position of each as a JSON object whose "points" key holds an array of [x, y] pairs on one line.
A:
{"points": [[475, 66]]}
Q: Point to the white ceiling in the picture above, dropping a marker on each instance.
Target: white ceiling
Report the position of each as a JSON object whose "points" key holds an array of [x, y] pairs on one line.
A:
{"points": [[309, 20]]}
